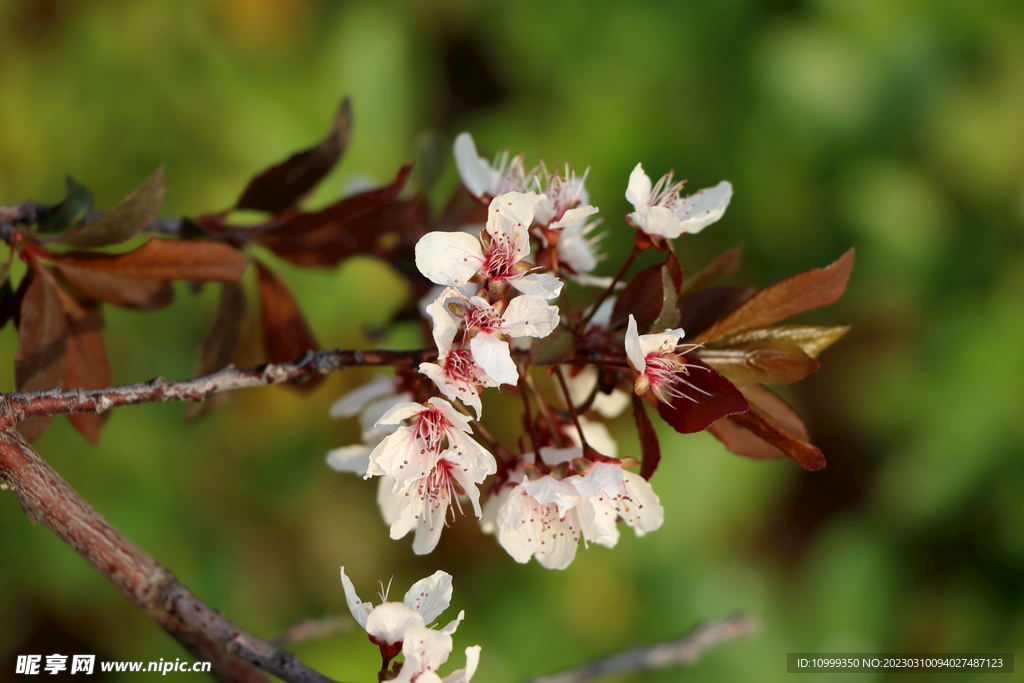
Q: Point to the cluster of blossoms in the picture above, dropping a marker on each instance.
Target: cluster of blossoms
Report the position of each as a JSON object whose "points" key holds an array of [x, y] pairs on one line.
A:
{"points": [[495, 288], [405, 627]]}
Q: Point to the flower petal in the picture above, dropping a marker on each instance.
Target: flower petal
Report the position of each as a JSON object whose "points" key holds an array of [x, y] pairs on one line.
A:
{"points": [[448, 258], [703, 208], [355, 458], [657, 220], [476, 173], [639, 189], [634, 352], [360, 610], [391, 622], [493, 355], [430, 596], [544, 285], [529, 316]]}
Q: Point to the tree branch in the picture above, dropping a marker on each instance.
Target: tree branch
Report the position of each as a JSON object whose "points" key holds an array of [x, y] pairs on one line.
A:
{"points": [[16, 407], [235, 654], [683, 651]]}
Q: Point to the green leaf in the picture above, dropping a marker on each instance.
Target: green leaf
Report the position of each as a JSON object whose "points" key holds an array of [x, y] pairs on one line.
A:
{"points": [[557, 347], [76, 206], [811, 339], [124, 221]]}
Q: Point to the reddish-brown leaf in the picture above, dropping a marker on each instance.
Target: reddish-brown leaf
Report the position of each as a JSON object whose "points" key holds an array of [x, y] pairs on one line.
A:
{"points": [[645, 295], [286, 336], [41, 360], [702, 309], [124, 221], [88, 367], [714, 397], [723, 265], [769, 361], [810, 338], [650, 449], [742, 441], [795, 294], [351, 226], [9, 301], [220, 344], [138, 293], [281, 186], [774, 422], [166, 260]]}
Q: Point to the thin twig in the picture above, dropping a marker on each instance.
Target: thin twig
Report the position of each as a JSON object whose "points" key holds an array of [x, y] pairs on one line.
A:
{"points": [[681, 652], [611, 288], [18, 406], [235, 654], [572, 407]]}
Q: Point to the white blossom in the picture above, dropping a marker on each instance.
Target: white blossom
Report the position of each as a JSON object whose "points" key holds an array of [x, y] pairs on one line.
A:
{"points": [[660, 364], [660, 210], [486, 179], [388, 622], [432, 459]]}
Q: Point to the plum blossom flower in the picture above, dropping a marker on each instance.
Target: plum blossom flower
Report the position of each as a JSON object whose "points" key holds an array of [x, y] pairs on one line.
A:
{"points": [[562, 202], [432, 459], [405, 627], [455, 258], [456, 373], [660, 211], [661, 368], [486, 179], [545, 517]]}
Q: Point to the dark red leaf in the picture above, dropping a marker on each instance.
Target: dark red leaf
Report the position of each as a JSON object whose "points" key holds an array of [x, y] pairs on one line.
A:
{"points": [[645, 295], [742, 441], [774, 422], [702, 309], [286, 336], [220, 344], [769, 361], [165, 260], [714, 398], [795, 294], [351, 226], [281, 186], [9, 302], [88, 367], [723, 265], [124, 221], [138, 293], [649, 447], [41, 360]]}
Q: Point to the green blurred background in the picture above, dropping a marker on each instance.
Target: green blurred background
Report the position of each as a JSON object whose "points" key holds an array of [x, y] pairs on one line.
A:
{"points": [[893, 126]]}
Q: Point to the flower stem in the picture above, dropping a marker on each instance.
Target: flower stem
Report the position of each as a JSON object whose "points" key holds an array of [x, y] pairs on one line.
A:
{"points": [[622, 271]]}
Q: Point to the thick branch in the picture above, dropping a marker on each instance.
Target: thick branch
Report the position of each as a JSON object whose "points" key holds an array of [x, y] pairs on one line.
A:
{"points": [[684, 651], [236, 655], [16, 407]]}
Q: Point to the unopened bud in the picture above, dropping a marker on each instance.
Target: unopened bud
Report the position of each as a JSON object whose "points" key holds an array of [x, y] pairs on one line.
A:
{"points": [[641, 385]]}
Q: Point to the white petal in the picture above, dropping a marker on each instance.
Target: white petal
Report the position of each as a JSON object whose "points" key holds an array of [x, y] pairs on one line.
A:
{"points": [[574, 216], [547, 490], [529, 316], [391, 622], [360, 610], [430, 596], [445, 325], [429, 527], [401, 411], [463, 391], [639, 189], [599, 520], [465, 675], [543, 208], [662, 342], [354, 401], [544, 285], [574, 250], [603, 315], [553, 456], [510, 213], [611, 405], [448, 258], [354, 458], [454, 418], [493, 355], [657, 220], [704, 208], [452, 625], [602, 476], [387, 501], [598, 436], [373, 432], [634, 352], [476, 173], [425, 650], [639, 505]]}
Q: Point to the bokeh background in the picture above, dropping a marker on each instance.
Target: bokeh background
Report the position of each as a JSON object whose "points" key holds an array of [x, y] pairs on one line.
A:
{"points": [[893, 126]]}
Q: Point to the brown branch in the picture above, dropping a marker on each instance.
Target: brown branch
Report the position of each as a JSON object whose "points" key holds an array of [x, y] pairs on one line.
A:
{"points": [[16, 407], [235, 654], [681, 652]]}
